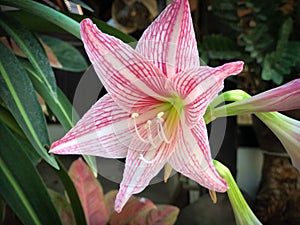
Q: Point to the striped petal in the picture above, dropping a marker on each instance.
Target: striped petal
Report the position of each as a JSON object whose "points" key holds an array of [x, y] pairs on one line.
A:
{"points": [[139, 172], [170, 41], [198, 87], [282, 98], [287, 131], [192, 158], [130, 79], [102, 131]]}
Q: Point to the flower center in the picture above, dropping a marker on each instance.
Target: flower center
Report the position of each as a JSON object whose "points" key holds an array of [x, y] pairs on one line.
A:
{"points": [[166, 122]]}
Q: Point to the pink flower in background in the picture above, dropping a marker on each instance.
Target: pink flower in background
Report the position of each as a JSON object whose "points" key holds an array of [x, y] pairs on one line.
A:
{"points": [[264, 106], [153, 112]]}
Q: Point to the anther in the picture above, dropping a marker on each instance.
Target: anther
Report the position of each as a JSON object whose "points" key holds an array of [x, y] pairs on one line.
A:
{"points": [[134, 115], [160, 115], [213, 196], [148, 124]]}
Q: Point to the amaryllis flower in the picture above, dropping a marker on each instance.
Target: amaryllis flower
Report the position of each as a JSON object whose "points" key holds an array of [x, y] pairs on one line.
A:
{"points": [[282, 98], [264, 106], [153, 112]]}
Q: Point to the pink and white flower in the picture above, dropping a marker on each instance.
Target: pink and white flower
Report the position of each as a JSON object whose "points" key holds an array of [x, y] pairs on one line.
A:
{"points": [[153, 112]]}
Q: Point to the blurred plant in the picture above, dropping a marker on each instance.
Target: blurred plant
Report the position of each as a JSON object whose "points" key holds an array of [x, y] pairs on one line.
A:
{"points": [[99, 208], [262, 33]]}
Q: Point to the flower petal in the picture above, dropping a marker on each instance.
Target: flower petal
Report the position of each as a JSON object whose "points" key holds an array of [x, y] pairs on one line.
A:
{"points": [[102, 131], [282, 98], [198, 87], [170, 41], [192, 158], [287, 131], [139, 172], [127, 76]]}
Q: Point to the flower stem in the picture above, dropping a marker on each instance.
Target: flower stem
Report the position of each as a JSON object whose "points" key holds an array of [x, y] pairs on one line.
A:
{"points": [[243, 213]]}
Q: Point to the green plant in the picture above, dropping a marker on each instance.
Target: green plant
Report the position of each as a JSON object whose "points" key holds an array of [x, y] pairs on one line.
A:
{"points": [[27, 58], [263, 34]]}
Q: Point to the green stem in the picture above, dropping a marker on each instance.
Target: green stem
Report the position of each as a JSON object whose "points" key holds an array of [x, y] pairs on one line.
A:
{"points": [[243, 213], [47, 13], [230, 96]]}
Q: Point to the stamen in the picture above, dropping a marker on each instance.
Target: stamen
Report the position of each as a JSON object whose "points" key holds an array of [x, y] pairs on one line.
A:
{"points": [[160, 129], [147, 126], [168, 170], [150, 138], [133, 116], [213, 196]]}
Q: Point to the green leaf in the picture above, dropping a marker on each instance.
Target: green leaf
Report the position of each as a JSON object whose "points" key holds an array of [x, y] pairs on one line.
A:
{"points": [[72, 195], [280, 63], [83, 4], [7, 118], [69, 57], [60, 106], [284, 34], [219, 47], [62, 110], [21, 186], [41, 20], [32, 49], [45, 12], [20, 98]]}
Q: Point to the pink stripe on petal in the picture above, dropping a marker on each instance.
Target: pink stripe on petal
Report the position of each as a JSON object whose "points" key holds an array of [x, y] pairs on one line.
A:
{"points": [[169, 41], [127, 76], [138, 173], [192, 158], [103, 131]]}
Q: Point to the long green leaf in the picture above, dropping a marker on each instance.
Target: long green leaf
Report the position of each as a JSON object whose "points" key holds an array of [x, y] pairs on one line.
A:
{"points": [[32, 49], [68, 56], [21, 186], [61, 107], [43, 24], [63, 112], [20, 98], [7, 118], [47, 13]]}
